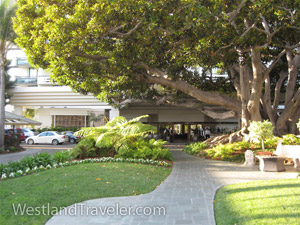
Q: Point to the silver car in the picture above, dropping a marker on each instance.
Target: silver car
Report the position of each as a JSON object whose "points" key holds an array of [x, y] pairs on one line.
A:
{"points": [[47, 137]]}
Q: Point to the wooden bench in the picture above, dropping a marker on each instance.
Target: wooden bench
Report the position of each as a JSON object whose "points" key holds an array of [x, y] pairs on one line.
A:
{"points": [[289, 151]]}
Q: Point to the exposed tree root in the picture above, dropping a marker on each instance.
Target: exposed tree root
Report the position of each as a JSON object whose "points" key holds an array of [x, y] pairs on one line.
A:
{"points": [[223, 139]]}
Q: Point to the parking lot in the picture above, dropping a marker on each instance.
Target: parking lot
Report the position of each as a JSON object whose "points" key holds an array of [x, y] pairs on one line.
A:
{"points": [[32, 150]]}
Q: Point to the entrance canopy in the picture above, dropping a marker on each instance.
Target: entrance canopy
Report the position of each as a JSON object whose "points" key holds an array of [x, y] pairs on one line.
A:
{"points": [[15, 120]]}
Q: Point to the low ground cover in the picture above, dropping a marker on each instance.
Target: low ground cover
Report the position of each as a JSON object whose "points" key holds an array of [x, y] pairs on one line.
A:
{"points": [[64, 186], [235, 151], [261, 202]]}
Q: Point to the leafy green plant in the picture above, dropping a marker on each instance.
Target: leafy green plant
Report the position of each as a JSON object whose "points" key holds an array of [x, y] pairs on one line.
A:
{"points": [[260, 131], [12, 149], [43, 158], [40, 160], [1, 150], [126, 139], [62, 156], [117, 132], [85, 148], [235, 151], [290, 139], [145, 149], [271, 142], [28, 162], [221, 151], [195, 148]]}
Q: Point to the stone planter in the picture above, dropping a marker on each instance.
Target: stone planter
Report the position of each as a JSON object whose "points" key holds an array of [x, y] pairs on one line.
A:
{"points": [[289, 151]]}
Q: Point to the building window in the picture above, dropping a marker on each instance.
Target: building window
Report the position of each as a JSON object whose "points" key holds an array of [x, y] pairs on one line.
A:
{"points": [[22, 62], [70, 121], [33, 73]]}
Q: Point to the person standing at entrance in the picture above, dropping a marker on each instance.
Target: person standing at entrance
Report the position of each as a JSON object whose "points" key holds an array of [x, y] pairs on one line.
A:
{"points": [[207, 133], [166, 134], [171, 135]]}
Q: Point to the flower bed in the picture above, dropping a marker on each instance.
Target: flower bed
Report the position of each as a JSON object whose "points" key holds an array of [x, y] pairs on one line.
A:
{"points": [[40, 168]]}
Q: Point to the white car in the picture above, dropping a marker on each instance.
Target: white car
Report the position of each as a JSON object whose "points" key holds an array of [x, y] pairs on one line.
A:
{"points": [[28, 132], [47, 137]]}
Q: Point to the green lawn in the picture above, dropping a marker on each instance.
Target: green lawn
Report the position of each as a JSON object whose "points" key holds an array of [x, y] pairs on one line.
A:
{"points": [[64, 186], [262, 202]]}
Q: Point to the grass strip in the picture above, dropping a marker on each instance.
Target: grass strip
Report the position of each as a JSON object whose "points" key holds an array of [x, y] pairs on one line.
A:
{"points": [[260, 202], [65, 186]]}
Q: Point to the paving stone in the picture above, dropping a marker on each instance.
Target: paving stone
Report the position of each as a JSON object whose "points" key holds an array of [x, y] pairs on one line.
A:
{"points": [[187, 194]]}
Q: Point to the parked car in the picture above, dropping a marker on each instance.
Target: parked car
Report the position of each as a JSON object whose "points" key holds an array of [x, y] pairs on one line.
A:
{"points": [[28, 132], [72, 138], [17, 131], [47, 137]]}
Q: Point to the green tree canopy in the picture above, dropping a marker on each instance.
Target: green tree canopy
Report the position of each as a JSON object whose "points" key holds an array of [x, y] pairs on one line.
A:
{"points": [[148, 50]]}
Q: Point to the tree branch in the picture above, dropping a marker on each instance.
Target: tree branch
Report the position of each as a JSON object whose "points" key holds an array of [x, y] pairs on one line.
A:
{"points": [[120, 34], [203, 96], [235, 12], [283, 76], [267, 72], [88, 56]]}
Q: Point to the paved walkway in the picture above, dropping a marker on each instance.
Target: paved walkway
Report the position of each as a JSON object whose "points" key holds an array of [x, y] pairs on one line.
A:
{"points": [[33, 150], [187, 195]]}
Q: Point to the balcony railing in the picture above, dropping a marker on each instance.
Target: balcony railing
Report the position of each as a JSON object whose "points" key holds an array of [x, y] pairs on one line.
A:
{"points": [[26, 81]]}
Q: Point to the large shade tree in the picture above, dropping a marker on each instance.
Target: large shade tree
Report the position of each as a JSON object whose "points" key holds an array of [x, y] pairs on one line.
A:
{"points": [[7, 36], [148, 51]]}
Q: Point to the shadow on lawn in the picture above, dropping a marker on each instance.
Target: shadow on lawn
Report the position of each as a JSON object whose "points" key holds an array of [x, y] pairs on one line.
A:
{"points": [[262, 187]]}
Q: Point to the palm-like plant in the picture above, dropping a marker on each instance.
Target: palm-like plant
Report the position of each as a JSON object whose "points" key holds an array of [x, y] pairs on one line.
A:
{"points": [[7, 37], [117, 132]]}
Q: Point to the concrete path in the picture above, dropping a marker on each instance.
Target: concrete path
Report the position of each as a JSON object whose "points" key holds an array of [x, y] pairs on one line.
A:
{"points": [[186, 195]]}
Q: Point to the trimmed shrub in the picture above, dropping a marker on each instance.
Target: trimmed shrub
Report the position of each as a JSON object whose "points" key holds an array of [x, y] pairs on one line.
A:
{"points": [[196, 148], [145, 149], [12, 149], [260, 131]]}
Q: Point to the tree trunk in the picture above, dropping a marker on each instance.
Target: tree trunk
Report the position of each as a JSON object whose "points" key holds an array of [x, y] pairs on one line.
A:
{"points": [[2, 104], [256, 87], [291, 110], [293, 64], [267, 105], [244, 92]]}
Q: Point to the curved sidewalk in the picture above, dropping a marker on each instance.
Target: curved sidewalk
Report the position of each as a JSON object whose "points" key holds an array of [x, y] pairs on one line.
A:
{"points": [[187, 195]]}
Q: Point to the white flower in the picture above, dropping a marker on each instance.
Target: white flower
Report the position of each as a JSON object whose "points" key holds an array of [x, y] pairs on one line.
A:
{"points": [[3, 177], [12, 175], [19, 173], [48, 166]]}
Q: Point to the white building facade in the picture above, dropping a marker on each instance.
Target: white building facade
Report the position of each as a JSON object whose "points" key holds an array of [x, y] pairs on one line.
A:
{"points": [[51, 105]]}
